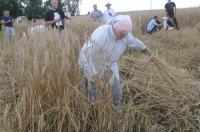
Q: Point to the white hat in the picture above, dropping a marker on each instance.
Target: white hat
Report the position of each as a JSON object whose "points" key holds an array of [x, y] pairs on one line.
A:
{"points": [[108, 4]]}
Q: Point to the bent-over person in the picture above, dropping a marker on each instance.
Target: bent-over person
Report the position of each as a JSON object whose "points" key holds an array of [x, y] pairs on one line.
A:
{"points": [[103, 51]]}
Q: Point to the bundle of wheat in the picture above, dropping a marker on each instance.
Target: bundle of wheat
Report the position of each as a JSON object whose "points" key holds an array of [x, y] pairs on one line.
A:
{"points": [[155, 82]]}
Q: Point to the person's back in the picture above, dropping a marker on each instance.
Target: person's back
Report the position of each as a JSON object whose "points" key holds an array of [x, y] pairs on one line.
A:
{"points": [[168, 23], [151, 25]]}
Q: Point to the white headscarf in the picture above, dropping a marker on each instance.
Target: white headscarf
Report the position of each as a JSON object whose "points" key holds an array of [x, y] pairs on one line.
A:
{"points": [[121, 22]]}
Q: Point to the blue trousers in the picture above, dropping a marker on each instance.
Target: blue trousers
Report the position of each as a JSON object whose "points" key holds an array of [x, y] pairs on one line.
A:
{"points": [[116, 92]]}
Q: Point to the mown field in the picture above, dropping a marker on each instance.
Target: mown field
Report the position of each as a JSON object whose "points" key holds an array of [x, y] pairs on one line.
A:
{"points": [[41, 87]]}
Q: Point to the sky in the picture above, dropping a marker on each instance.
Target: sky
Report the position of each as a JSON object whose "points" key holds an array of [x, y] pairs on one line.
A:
{"points": [[132, 5]]}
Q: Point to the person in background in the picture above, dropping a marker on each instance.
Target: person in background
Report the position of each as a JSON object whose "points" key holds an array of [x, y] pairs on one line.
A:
{"points": [[108, 13], [55, 17], [8, 21], [102, 53], [154, 25], [67, 14], [0, 24], [18, 19], [170, 9], [168, 23], [96, 14]]}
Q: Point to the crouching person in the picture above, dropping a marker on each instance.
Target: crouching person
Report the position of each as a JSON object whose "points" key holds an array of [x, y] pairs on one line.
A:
{"points": [[102, 52], [168, 23], [154, 25]]}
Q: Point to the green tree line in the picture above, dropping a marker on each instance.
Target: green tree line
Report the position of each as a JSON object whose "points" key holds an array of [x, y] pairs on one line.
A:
{"points": [[35, 9]]}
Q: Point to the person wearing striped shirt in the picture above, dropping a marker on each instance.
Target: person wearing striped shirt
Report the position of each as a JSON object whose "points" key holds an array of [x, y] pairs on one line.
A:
{"points": [[8, 22], [102, 52]]}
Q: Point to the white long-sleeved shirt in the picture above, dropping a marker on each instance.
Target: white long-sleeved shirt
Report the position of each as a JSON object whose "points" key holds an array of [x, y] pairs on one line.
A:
{"points": [[104, 50], [108, 13]]}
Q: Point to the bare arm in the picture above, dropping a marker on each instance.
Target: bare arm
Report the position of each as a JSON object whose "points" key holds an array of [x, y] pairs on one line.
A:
{"points": [[175, 10], [3, 21], [166, 10], [159, 24], [47, 23]]}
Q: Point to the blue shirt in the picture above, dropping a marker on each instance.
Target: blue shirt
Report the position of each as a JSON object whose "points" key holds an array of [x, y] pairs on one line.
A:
{"points": [[151, 25], [9, 18]]}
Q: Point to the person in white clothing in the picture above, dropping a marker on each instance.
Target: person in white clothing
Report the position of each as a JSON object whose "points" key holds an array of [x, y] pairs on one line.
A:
{"points": [[168, 23], [108, 13], [102, 52], [67, 15]]}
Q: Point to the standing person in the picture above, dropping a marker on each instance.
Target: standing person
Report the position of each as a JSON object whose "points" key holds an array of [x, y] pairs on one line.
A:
{"points": [[0, 24], [96, 14], [55, 17], [67, 14], [102, 52], [108, 13], [154, 25], [170, 9], [8, 21]]}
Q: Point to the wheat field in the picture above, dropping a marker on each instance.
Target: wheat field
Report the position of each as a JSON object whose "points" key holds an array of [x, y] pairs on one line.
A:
{"points": [[41, 84]]}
